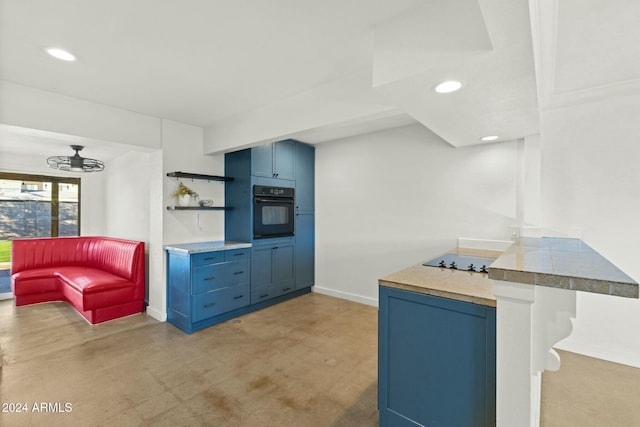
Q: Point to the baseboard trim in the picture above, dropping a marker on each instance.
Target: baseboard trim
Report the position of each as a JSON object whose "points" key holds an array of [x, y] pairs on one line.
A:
{"points": [[345, 295], [157, 314]]}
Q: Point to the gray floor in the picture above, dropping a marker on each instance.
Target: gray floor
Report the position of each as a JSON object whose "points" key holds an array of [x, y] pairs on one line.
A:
{"points": [[308, 362]]}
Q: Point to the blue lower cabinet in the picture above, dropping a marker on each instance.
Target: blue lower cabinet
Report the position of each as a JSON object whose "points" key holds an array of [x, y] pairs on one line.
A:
{"points": [[436, 361], [204, 287], [272, 270], [210, 287]]}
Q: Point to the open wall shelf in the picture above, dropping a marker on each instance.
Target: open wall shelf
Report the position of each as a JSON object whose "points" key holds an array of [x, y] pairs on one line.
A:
{"points": [[198, 208], [179, 174], [209, 178]]}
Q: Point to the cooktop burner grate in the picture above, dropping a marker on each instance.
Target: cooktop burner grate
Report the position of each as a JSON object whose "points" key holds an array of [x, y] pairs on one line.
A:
{"points": [[461, 262]]}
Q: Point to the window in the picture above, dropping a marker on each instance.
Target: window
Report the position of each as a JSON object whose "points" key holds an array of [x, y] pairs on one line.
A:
{"points": [[38, 206], [35, 206]]}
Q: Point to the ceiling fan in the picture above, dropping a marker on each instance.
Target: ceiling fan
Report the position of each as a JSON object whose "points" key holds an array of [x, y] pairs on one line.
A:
{"points": [[75, 163]]}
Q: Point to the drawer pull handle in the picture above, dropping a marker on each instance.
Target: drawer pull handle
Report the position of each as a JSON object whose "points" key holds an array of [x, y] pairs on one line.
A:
{"points": [[210, 258], [211, 304], [238, 272], [264, 296], [238, 296], [210, 278], [285, 289], [240, 254]]}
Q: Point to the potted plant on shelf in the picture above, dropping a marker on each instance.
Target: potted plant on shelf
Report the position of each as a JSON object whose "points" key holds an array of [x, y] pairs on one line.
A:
{"points": [[184, 195]]}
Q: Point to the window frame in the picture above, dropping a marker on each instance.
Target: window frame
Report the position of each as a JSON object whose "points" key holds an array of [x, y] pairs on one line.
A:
{"points": [[55, 180]]}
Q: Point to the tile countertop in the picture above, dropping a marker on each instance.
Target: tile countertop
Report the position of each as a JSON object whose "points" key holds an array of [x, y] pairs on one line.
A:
{"points": [[549, 261], [562, 263], [194, 248], [459, 285]]}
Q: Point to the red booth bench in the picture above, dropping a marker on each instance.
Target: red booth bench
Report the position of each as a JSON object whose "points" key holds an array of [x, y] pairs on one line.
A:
{"points": [[101, 277]]}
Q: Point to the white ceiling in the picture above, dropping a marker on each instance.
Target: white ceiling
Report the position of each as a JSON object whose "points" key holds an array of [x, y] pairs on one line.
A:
{"points": [[203, 61], [194, 61]]}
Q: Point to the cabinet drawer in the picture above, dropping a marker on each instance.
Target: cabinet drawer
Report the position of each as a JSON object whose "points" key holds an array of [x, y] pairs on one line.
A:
{"points": [[262, 294], [237, 254], [218, 276], [285, 288], [213, 303], [205, 258]]}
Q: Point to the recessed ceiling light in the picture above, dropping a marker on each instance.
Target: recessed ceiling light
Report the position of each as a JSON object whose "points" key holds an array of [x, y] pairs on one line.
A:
{"points": [[448, 86], [61, 54], [489, 138]]}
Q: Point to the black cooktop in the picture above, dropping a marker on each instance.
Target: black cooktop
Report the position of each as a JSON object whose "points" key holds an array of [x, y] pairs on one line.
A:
{"points": [[462, 262]]}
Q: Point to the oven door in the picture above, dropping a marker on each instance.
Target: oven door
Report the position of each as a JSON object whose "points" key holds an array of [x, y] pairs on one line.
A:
{"points": [[272, 217]]}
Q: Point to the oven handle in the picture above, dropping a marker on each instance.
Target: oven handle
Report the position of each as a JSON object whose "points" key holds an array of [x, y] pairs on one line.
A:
{"points": [[274, 200]]}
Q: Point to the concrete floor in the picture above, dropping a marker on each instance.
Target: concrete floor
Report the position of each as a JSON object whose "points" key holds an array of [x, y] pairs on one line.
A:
{"points": [[310, 361]]}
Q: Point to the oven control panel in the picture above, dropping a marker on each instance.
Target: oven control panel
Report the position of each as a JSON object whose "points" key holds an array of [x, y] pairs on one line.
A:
{"points": [[262, 190]]}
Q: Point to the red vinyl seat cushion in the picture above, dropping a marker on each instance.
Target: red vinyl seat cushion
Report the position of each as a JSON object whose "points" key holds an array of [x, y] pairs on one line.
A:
{"points": [[36, 280], [91, 280]]}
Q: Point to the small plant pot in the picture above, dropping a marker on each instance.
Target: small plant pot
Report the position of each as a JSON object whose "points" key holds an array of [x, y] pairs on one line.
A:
{"points": [[184, 200]]}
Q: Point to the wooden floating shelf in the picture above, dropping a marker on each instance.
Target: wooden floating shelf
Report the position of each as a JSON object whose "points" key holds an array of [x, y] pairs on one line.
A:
{"points": [[179, 174]]}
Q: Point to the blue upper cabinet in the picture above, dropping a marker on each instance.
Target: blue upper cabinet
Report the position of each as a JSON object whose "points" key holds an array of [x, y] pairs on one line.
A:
{"points": [[262, 161], [305, 173], [275, 160], [284, 155]]}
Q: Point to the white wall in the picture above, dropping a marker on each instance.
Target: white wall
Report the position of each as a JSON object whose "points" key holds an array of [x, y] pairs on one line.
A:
{"points": [[393, 198], [591, 180], [93, 215], [127, 196]]}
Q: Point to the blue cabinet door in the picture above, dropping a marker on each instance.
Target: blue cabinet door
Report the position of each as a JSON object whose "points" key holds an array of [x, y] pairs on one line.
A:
{"points": [[436, 361], [262, 161], [272, 270], [283, 269], [304, 250], [305, 174], [261, 267], [275, 160], [284, 153]]}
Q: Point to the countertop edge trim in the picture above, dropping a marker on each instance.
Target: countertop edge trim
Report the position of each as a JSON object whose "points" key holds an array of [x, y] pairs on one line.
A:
{"points": [[439, 293]]}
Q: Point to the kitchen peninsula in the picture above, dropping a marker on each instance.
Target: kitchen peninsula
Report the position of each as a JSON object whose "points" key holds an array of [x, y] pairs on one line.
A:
{"points": [[436, 351], [532, 286]]}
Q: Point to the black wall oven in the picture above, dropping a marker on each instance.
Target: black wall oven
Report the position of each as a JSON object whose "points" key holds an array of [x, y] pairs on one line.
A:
{"points": [[273, 211]]}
